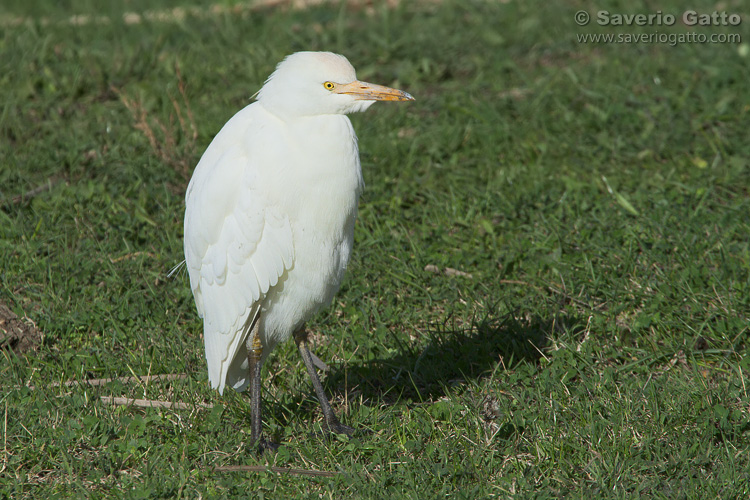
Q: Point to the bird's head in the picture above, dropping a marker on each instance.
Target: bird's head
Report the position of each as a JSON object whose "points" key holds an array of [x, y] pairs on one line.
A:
{"points": [[321, 83]]}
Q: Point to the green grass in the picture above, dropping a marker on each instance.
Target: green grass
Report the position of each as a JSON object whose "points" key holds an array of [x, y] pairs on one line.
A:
{"points": [[597, 194]]}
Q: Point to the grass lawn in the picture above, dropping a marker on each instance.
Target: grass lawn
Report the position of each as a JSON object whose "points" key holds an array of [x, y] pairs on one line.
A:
{"points": [[550, 290]]}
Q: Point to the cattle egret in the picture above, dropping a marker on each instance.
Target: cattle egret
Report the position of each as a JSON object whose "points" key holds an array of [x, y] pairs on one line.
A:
{"points": [[269, 219]]}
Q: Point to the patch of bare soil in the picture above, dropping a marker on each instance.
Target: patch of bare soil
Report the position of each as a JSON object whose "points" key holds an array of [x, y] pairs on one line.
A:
{"points": [[20, 335]]}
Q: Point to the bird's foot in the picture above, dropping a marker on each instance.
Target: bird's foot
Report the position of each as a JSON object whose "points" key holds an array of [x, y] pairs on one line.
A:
{"points": [[264, 446], [328, 429], [337, 427]]}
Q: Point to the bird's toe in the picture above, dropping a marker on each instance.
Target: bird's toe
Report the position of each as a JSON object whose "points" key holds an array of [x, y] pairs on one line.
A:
{"points": [[339, 428], [264, 446]]}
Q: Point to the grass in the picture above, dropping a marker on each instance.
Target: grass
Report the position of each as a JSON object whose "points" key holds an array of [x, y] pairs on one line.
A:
{"points": [[594, 197]]}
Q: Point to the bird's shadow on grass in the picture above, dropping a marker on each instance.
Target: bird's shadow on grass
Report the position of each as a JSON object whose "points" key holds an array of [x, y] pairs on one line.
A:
{"points": [[423, 371]]}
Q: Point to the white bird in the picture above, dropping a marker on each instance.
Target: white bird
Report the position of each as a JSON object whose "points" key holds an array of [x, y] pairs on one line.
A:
{"points": [[269, 219]]}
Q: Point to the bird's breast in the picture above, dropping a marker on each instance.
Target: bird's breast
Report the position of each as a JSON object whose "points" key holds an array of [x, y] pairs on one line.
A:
{"points": [[320, 179], [318, 188]]}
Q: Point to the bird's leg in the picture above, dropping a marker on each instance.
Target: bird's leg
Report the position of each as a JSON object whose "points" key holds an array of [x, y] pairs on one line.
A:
{"points": [[332, 422], [255, 360], [254, 354]]}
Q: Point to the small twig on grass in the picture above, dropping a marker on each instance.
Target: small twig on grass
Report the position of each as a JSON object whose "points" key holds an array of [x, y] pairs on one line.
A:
{"points": [[124, 380], [278, 470], [21, 198], [179, 14], [151, 403]]}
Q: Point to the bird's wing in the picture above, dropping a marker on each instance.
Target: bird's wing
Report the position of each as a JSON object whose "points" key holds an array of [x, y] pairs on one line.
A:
{"points": [[236, 245]]}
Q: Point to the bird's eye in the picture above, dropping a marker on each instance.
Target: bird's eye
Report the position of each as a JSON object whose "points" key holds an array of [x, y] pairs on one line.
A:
{"points": [[329, 85]]}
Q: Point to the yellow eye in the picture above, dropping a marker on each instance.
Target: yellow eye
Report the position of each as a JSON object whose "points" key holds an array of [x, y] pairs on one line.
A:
{"points": [[329, 85]]}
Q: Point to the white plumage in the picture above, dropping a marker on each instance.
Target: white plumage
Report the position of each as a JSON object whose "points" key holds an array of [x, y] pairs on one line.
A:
{"points": [[270, 209]]}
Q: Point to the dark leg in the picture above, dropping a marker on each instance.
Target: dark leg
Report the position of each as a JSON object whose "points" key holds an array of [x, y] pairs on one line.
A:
{"points": [[332, 422], [254, 357]]}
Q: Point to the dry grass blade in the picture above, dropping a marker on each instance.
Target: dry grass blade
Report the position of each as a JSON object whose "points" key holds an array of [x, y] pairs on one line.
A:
{"points": [[175, 147], [131, 255], [5, 438], [189, 112]]}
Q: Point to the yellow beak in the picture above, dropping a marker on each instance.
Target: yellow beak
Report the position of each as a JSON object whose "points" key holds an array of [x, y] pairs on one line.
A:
{"points": [[371, 92]]}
